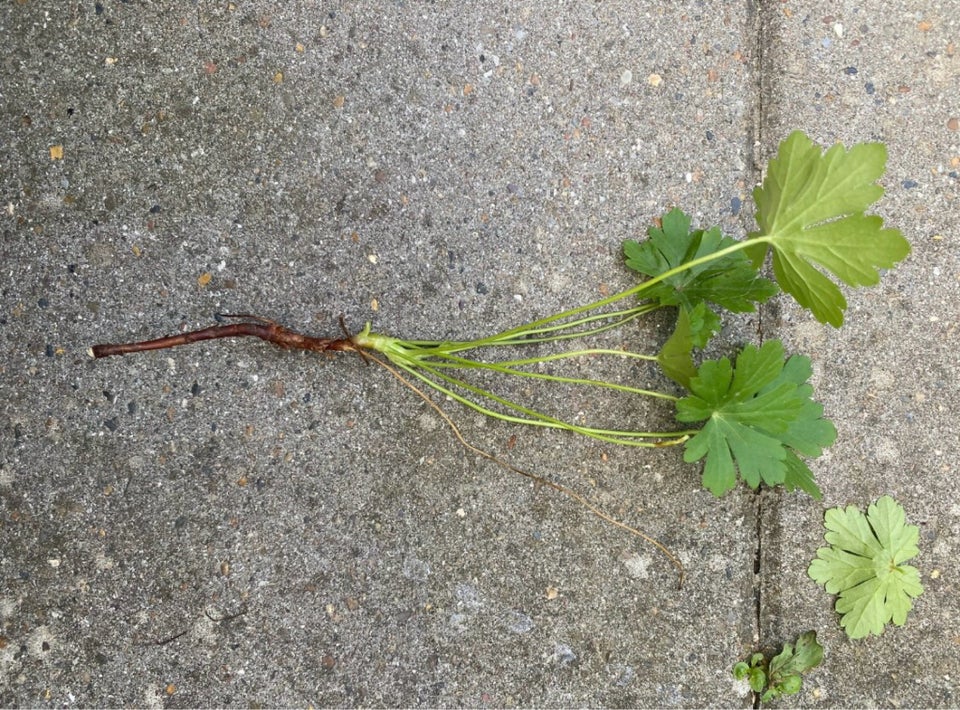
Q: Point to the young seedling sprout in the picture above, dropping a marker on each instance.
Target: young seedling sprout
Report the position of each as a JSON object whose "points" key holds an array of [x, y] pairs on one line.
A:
{"points": [[756, 417]]}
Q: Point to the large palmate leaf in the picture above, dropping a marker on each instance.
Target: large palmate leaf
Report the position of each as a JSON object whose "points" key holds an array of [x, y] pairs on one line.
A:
{"points": [[810, 210], [759, 417]]}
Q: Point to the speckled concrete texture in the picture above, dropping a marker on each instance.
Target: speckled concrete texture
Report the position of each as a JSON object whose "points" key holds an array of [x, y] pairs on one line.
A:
{"points": [[888, 378], [233, 525]]}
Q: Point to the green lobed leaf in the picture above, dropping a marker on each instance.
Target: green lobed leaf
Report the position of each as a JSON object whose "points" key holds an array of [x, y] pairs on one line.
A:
{"points": [[864, 566], [782, 674], [810, 211], [704, 324], [799, 476], [807, 432], [759, 417], [730, 281], [798, 658], [676, 356], [693, 329]]}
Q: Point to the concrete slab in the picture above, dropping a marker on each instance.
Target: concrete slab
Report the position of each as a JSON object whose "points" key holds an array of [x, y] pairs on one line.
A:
{"points": [[887, 378], [229, 524]]}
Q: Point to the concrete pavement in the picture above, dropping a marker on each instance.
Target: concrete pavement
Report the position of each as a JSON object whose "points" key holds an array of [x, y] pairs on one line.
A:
{"points": [[229, 524]]}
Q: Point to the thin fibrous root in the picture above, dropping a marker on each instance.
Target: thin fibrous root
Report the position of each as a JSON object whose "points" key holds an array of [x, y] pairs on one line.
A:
{"points": [[570, 493], [275, 333]]}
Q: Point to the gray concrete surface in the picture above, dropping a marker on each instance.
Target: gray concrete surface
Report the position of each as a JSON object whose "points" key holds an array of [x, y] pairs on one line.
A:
{"points": [[233, 525]]}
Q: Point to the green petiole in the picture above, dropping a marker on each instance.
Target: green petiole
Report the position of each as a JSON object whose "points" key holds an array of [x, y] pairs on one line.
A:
{"points": [[755, 416], [533, 417], [427, 360]]}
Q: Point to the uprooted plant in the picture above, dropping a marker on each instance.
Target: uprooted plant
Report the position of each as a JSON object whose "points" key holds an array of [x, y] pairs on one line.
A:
{"points": [[753, 416]]}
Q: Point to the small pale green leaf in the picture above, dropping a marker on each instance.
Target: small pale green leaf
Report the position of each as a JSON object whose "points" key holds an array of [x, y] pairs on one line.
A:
{"points": [[790, 685], [864, 566], [741, 670], [810, 211]]}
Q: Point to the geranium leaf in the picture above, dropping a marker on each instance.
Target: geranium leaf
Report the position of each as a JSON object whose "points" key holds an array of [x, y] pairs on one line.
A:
{"points": [[810, 211], [730, 281], [759, 416], [864, 566], [675, 357]]}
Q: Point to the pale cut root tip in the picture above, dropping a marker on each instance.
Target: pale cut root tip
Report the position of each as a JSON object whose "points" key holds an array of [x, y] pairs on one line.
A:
{"points": [[91, 354]]}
